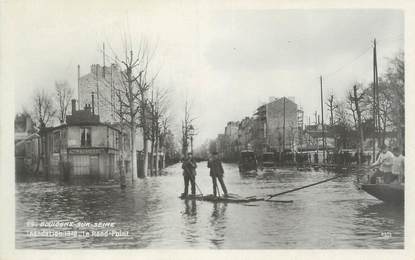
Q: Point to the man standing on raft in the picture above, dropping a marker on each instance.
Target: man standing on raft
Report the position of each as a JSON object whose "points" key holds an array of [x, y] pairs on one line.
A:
{"points": [[216, 171]]}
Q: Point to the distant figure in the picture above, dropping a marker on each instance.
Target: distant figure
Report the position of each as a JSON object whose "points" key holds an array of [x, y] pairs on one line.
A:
{"points": [[315, 157], [384, 164], [189, 174], [216, 171], [398, 167]]}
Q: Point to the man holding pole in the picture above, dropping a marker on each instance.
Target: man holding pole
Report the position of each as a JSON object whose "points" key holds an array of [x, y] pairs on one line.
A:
{"points": [[189, 174], [216, 171], [384, 166]]}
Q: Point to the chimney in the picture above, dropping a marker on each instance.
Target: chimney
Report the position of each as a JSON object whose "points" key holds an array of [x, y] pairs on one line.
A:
{"points": [[93, 103], [73, 106]]}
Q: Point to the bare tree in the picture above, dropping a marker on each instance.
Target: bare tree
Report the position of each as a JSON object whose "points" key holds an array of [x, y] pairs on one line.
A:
{"points": [[63, 98], [43, 109], [395, 78], [186, 127], [43, 113], [332, 107], [158, 107], [351, 107], [355, 99], [130, 105]]}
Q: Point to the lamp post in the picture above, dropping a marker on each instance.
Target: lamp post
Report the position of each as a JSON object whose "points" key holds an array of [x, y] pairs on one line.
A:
{"points": [[191, 134]]}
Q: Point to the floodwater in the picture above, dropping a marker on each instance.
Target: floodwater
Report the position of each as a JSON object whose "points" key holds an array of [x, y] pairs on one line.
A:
{"points": [[149, 214]]}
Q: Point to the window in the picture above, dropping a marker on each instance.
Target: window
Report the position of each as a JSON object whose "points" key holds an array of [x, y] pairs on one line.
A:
{"points": [[56, 142], [86, 136]]}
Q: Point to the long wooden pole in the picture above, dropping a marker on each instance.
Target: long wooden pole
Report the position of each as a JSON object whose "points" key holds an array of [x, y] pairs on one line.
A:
{"points": [[303, 187]]}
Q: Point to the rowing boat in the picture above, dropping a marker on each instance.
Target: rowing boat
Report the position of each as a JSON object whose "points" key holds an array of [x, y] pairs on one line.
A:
{"points": [[389, 193]]}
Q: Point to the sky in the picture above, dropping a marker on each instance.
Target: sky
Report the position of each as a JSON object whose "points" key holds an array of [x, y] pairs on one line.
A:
{"points": [[225, 61]]}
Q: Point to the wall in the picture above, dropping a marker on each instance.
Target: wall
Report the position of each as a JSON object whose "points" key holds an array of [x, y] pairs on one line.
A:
{"points": [[93, 82], [275, 122]]}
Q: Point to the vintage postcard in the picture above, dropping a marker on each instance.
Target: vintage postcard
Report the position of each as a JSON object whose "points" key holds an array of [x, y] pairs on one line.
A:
{"points": [[206, 126]]}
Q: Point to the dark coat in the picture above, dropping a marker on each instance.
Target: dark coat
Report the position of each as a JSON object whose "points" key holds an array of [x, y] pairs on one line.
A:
{"points": [[215, 166], [189, 167]]}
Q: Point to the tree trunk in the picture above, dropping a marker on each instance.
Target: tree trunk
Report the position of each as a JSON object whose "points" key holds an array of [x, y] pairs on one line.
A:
{"points": [[145, 153], [157, 155], [151, 163], [133, 151]]}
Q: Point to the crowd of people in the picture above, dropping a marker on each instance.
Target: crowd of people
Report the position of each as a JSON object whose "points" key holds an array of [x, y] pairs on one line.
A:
{"points": [[389, 166]]}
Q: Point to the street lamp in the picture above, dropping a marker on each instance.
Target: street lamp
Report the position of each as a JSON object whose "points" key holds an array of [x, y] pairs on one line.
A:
{"points": [[191, 134]]}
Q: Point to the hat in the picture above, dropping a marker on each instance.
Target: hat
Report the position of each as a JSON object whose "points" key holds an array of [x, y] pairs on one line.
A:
{"points": [[383, 146]]}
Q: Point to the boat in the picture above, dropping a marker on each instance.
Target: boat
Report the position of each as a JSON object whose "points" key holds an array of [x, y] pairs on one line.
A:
{"points": [[393, 193], [247, 162]]}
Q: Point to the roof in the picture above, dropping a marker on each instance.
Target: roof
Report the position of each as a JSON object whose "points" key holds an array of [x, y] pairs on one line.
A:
{"points": [[82, 124]]}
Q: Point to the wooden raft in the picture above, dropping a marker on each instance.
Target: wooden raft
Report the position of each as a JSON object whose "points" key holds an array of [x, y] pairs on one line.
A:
{"points": [[231, 198]]}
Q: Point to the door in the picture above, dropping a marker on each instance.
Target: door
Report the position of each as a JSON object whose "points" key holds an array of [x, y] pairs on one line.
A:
{"points": [[94, 165], [80, 165]]}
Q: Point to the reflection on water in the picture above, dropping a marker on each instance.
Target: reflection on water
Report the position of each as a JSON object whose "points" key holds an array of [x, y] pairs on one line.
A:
{"points": [[332, 215], [218, 224]]}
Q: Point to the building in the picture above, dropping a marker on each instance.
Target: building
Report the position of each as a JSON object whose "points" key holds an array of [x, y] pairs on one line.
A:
{"points": [[281, 124], [102, 81], [98, 88], [84, 145], [230, 147], [231, 130], [26, 145]]}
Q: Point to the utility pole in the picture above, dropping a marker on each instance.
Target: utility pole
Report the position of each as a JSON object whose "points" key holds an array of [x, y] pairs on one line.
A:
{"points": [[359, 120], [374, 102], [322, 119], [103, 60], [96, 75], [380, 137], [79, 76], [283, 128]]}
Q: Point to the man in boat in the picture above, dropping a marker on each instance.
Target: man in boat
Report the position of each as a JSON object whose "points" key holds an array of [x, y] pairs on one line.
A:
{"points": [[216, 172], [398, 167], [189, 174], [384, 165]]}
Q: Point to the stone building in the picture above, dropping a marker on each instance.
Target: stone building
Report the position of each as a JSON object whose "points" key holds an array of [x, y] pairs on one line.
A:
{"points": [[102, 81], [245, 133], [89, 147], [281, 123], [231, 130]]}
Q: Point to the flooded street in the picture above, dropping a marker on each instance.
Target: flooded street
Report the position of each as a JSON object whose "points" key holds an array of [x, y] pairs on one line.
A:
{"points": [[331, 215]]}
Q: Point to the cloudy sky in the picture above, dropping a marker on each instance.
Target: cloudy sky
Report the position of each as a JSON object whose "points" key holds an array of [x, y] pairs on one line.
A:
{"points": [[226, 61]]}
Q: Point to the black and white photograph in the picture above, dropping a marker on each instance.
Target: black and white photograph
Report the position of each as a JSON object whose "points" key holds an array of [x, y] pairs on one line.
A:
{"points": [[205, 125]]}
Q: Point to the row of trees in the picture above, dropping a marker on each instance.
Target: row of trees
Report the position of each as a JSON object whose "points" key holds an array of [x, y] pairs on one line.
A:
{"points": [[352, 119], [132, 106]]}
